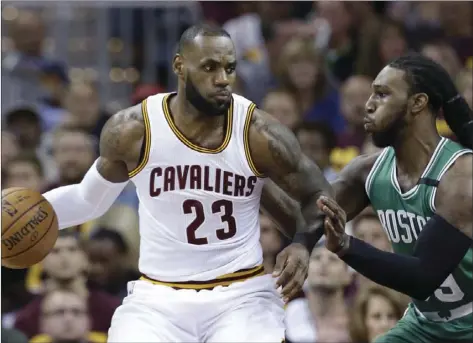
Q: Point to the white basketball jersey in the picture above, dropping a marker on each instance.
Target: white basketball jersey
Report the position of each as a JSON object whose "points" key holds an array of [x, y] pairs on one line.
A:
{"points": [[199, 208]]}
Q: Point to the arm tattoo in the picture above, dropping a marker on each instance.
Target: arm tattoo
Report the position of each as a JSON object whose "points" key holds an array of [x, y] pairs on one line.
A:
{"points": [[121, 131], [277, 153]]}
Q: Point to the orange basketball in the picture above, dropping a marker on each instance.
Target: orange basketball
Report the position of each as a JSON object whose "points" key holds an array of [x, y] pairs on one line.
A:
{"points": [[29, 227]]}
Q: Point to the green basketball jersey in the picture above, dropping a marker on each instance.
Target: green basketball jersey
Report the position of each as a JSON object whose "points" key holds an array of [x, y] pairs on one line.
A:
{"points": [[403, 215]]}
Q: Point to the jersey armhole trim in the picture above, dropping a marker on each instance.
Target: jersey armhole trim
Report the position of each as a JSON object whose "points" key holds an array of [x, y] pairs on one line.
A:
{"points": [[147, 141], [371, 174], [246, 140], [445, 168]]}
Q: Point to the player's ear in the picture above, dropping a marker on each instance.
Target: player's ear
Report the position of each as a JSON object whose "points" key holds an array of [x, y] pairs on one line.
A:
{"points": [[419, 102], [178, 66]]}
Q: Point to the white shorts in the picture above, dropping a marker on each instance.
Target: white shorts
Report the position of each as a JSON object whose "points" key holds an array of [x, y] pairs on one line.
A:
{"points": [[247, 311]]}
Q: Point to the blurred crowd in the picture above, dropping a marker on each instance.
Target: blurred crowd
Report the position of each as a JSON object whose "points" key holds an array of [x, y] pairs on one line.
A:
{"points": [[310, 64]]}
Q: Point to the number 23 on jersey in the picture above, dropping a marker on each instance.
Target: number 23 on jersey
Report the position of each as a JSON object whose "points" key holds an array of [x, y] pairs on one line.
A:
{"points": [[223, 208]]}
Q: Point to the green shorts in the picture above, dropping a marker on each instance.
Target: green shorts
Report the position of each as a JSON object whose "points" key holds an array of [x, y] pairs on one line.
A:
{"points": [[413, 328]]}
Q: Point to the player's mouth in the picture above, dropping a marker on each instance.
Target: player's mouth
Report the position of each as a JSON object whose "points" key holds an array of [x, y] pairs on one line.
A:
{"points": [[222, 96], [368, 124]]}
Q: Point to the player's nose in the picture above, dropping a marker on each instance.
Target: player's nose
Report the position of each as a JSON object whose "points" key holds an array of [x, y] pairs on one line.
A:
{"points": [[370, 107], [222, 79]]}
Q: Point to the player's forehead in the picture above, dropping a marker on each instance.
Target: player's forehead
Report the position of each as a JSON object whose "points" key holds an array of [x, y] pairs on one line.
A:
{"points": [[216, 48], [391, 78]]}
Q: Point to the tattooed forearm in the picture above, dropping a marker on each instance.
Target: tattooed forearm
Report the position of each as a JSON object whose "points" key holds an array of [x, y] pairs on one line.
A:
{"points": [[284, 210], [277, 154]]}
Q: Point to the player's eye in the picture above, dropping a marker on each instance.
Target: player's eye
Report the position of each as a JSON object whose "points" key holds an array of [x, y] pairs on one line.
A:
{"points": [[381, 94], [230, 70]]}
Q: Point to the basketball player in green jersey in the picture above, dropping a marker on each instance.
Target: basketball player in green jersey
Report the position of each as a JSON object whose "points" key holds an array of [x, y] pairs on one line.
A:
{"points": [[420, 185]]}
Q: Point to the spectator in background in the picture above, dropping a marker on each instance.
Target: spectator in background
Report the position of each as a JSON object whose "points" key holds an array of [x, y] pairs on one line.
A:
{"points": [[302, 72], [376, 310], [392, 43], [317, 141], [368, 228], [10, 147], [282, 105], [65, 268], [21, 66], [14, 295], [342, 49], [271, 241], [455, 18], [251, 33], [25, 123], [82, 103], [24, 171], [54, 81], [323, 315], [65, 318], [109, 265], [74, 151], [355, 92], [442, 53]]}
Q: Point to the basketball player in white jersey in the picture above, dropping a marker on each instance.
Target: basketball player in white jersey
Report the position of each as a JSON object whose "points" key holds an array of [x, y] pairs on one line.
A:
{"points": [[199, 159]]}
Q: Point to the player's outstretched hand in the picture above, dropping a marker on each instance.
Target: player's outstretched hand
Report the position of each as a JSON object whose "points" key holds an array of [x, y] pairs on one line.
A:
{"points": [[333, 211], [291, 267]]}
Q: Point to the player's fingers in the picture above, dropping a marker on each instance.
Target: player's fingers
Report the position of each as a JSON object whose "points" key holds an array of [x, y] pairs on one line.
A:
{"points": [[287, 273], [332, 206], [281, 260], [326, 209], [295, 285], [331, 228]]}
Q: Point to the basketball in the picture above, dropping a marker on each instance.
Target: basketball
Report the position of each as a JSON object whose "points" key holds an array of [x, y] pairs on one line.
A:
{"points": [[29, 228]]}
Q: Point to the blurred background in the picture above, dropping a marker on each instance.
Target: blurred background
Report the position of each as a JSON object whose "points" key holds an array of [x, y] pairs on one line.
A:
{"points": [[67, 66]]}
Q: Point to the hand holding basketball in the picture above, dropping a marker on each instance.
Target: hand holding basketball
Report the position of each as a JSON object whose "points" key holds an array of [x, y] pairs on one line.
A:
{"points": [[29, 227]]}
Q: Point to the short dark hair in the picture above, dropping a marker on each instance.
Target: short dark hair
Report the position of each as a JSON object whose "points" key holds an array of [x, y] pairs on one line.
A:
{"points": [[322, 129], [426, 76], [111, 235], [200, 30], [27, 113]]}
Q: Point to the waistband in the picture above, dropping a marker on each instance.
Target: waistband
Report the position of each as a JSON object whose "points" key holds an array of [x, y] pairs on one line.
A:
{"points": [[224, 280]]}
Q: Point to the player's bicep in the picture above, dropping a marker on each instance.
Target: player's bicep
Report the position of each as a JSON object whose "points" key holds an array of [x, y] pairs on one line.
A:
{"points": [[454, 198], [276, 153], [120, 144]]}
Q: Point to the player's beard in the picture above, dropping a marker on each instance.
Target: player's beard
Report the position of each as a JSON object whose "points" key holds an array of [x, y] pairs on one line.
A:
{"points": [[203, 105], [391, 135]]}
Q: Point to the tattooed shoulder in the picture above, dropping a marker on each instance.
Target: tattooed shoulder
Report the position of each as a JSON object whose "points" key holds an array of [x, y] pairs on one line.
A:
{"points": [[122, 130], [278, 144]]}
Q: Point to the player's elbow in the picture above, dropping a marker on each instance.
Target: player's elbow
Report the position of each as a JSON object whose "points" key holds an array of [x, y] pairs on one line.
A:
{"points": [[426, 286]]}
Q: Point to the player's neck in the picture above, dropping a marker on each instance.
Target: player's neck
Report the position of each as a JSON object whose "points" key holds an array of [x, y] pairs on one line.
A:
{"points": [[415, 149], [322, 303], [185, 114]]}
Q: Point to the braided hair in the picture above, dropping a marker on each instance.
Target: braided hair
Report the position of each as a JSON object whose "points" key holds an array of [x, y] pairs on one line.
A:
{"points": [[427, 76]]}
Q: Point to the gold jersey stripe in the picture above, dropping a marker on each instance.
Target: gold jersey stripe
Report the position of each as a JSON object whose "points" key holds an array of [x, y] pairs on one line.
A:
{"points": [[224, 280], [147, 138], [246, 140], [185, 141]]}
